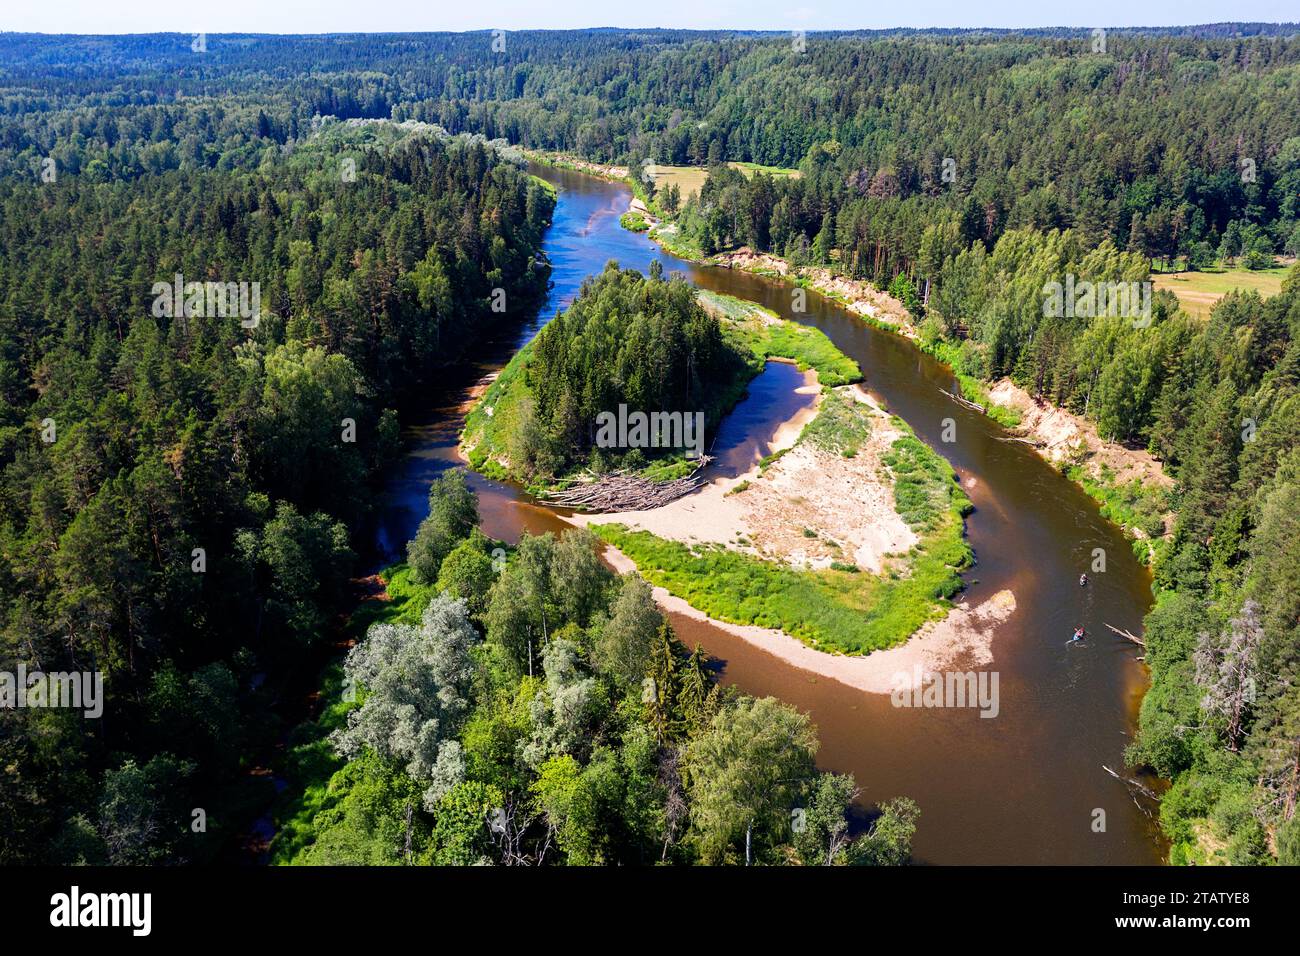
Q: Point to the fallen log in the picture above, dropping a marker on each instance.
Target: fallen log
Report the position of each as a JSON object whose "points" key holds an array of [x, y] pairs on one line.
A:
{"points": [[962, 400], [1127, 636]]}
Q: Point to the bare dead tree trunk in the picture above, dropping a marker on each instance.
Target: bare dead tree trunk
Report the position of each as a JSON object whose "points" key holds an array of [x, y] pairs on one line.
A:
{"points": [[1288, 808], [1238, 702]]}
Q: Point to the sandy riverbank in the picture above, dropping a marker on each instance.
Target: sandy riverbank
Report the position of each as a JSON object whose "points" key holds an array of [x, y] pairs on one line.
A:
{"points": [[563, 161], [857, 296], [961, 641], [1062, 436]]}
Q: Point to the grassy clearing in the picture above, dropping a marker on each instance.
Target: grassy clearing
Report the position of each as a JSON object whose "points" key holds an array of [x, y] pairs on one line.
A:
{"points": [[691, 179], [310, 762], [838, 609], [749, 169], [1197, 292], [767, 336], [687, 179]]}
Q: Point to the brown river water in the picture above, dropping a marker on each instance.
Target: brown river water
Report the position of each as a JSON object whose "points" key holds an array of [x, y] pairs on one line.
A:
{"points": [[1023, 787]]}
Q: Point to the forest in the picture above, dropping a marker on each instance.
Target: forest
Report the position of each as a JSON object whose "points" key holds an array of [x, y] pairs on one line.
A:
{"points": [[180, 497], [646, 345]]}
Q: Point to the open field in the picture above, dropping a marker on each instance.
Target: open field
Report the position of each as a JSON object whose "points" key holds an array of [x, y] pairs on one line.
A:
{"points": [[690, 179], [1198, 291], [749, 169]]}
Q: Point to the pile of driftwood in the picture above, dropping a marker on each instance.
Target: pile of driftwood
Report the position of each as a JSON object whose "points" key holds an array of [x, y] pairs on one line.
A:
{"points": [[624, 491]]}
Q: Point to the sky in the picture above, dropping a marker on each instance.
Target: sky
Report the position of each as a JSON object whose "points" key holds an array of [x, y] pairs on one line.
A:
{"points": [[351, 16]]}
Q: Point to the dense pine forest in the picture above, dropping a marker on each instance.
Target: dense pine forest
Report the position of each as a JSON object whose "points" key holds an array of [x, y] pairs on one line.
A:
{"points": [[644, 345], [963, 170], [182, 490]]}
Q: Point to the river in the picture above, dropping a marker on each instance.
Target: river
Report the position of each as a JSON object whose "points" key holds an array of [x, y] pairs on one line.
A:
{"points": [[1029, 786]]}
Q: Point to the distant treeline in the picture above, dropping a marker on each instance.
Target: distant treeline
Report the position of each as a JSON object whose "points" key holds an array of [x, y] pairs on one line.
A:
{"points": [[1168, 142]]}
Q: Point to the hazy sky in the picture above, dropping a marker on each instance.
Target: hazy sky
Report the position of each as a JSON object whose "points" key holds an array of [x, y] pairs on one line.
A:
{"points": [[327, 16]]}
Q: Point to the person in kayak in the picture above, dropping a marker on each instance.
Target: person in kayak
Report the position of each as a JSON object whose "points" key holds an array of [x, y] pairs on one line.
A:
{"points": [[1083, 580], [1079, 634]]}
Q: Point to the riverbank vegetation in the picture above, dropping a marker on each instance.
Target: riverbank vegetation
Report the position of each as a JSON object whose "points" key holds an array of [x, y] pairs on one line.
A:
{"points": [[1216, 401], [558, 722], [750, 327]]}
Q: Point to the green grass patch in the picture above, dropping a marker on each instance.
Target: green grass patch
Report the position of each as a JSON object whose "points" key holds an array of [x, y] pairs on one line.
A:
{"points": [[924, 488], [834, 610], [749, 169], [546, 185], [688, 179], [768, 336], [771, 459], [842, 425], [1198, 292], [633, 222]]}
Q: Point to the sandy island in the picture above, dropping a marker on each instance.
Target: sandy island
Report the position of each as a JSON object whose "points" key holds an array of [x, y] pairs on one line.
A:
{"points": [[848, 503]]}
